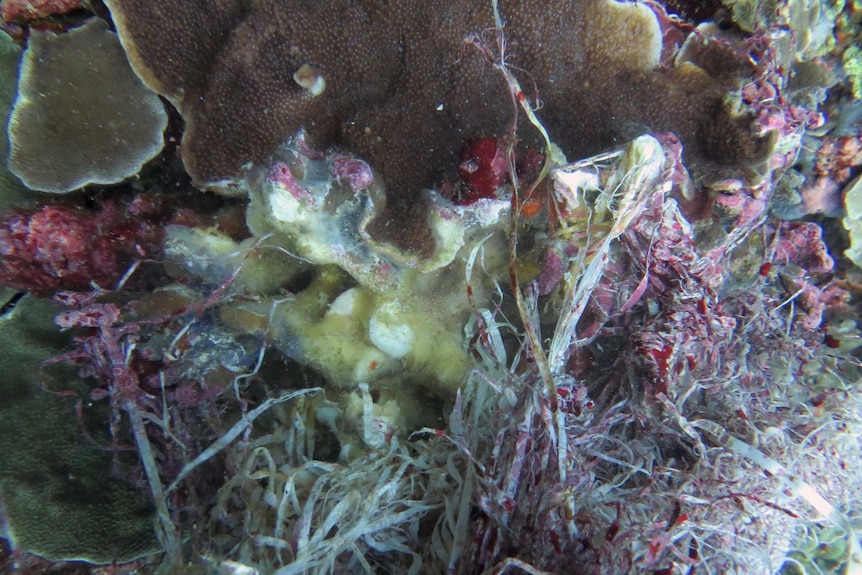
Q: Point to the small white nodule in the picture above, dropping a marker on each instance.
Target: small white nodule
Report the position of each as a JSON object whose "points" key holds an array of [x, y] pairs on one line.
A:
{"points": [[310, 79], [389, 332]]}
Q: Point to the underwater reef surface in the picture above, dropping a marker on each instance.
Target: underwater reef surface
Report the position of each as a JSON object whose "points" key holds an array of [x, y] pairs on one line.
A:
{"points": [[403, 84], [404, 287]]}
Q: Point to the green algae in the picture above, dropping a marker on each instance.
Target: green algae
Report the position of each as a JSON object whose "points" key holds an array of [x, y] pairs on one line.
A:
{"points": [[853, 69], [58, 494]]}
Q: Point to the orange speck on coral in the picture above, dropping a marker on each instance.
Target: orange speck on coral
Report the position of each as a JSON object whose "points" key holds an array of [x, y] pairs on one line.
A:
{"points": [[531, 206]]}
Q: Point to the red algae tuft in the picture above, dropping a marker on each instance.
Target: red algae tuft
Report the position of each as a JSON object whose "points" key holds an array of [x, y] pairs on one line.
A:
{"points": [[20, 11], [483, 168], [59, 248]]}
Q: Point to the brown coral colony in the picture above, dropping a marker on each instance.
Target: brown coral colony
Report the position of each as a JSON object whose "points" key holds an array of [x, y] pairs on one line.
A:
{"points": [[402, 85]]}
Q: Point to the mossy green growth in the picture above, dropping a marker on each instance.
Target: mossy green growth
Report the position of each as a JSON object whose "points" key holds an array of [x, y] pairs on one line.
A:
{"points": [[388, 316], [56, 486], [853, 69], [812, 21], [749, 14], [824, 550]]}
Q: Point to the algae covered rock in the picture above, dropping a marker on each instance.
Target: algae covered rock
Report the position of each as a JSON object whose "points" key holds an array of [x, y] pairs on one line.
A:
{"points": [[404, 317], [56, 486], [81, 115], [812, 21], [359, 310]]}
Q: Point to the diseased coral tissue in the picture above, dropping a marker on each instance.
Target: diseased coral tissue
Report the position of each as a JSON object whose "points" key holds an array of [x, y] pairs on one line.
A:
{"points": [[482, 286]]}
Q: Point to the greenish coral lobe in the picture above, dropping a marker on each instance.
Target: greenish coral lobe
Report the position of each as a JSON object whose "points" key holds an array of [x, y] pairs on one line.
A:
{"points": [[59, 500]]}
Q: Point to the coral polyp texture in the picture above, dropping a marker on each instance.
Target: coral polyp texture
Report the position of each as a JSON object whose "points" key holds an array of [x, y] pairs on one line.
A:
{"points": [[57, 499], [81, 116], [414, 68], [487, 286]]}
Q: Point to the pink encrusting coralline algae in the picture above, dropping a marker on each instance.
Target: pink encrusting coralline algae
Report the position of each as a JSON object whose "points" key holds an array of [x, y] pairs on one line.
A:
{"points": [[58, 248]]}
